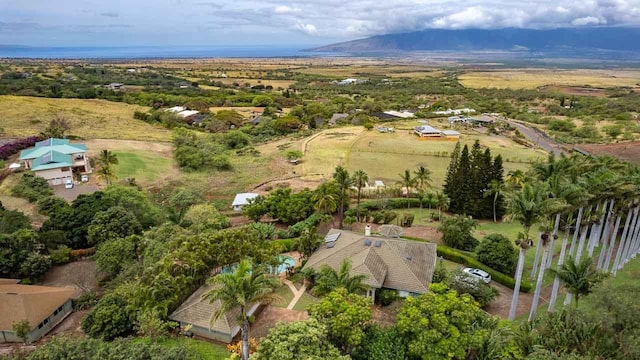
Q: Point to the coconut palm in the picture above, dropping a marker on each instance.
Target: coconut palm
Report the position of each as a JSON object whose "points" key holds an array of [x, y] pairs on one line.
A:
{"points": [[328, 279], [106, 158], [344, 182], [579, 276], [442, 203], [105, 172], [515, 178], [407, 182], [496, 188], [360, 179], [529, 205], [422, 177], [240, 290], [325, 203]]}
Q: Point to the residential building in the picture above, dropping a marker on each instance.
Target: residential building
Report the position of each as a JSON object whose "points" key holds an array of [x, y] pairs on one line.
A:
{"points": [[454, 111], [196, 312], [115, 86], [242, 199], [56, 160], [425, 132], [402, 265], [176, 109], [399, 114], [42, 306]]}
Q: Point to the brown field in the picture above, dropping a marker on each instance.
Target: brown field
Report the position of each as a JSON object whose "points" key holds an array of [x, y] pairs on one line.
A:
{"points": [[534, 78], [577, 90], [628, 151]]}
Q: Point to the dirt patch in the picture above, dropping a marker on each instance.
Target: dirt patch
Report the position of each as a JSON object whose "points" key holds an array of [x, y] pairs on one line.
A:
{"points": [[273, 315], [577, 90], [78, 275], [500, 305], [70, 326], [628, 151]]}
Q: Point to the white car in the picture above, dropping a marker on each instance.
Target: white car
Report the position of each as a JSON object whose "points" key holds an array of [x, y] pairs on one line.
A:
{"points": [[68, 184], [478, 274]]}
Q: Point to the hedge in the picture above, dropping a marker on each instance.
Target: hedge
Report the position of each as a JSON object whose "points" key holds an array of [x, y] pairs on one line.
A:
{"points": [[15, 146], [460, 258]]}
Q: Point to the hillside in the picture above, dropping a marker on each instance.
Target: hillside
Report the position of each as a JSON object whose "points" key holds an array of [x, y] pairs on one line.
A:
{"points": [[508, 39]]}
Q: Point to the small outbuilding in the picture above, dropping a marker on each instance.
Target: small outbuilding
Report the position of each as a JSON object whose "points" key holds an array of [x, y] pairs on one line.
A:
{"points": [[242, 199]]}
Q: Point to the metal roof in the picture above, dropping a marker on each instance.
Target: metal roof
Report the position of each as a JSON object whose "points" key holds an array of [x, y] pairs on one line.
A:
{"points": [[427, 129], [243, 198], [58, 145]]}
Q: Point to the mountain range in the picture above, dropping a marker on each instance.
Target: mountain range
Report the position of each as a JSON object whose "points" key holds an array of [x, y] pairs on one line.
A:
{"points": [[507, 39]]}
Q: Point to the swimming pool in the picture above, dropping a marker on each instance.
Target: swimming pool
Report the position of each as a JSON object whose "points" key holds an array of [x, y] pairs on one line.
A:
{"points": [[285, 262]]}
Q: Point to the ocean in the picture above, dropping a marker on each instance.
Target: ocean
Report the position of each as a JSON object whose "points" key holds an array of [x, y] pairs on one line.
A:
{"points": [[157, 52]]}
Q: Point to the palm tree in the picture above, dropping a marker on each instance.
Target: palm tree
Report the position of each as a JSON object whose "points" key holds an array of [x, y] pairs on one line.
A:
{"points": [[241, 289], [516, 178], [328, 279], [423, 177], [442, 203], [496, 188], [344, 181], [105, 172], [529, 206], [407, 182], [106, 158], [360, 179], [325, 203], [579, 277]]}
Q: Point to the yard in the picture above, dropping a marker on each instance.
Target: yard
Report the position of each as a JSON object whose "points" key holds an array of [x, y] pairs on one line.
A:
{"points": [[201, 348]]}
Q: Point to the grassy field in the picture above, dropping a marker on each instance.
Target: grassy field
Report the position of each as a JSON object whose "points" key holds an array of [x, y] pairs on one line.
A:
{"points": [[202, 349], [533, 78], [89, 119], [144, 166]]}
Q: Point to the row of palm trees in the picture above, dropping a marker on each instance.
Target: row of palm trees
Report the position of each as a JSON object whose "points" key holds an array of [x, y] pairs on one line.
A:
{"points": [[589, 196]]}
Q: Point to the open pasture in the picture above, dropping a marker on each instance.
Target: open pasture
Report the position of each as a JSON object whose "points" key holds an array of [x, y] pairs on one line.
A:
{"points": [[534, 78]]}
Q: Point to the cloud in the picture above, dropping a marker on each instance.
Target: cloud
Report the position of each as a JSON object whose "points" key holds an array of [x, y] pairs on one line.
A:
{"points": [[588, 20], [306, 28], [111, 14], [283, 9]]}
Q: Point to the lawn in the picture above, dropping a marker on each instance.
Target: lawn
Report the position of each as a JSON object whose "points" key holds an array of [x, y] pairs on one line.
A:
{"points": [[89, 119], [202, 350], [533, 78], [285, 293], [144, 166], [305, 300]]}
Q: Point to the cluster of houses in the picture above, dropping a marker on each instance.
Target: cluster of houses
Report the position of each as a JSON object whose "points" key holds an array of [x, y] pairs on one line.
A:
{"points": [[481, 120], [189, 116]]}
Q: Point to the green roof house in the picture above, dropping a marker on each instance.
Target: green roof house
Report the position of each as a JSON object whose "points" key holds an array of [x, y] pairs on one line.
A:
{"points": [[56, 160]]}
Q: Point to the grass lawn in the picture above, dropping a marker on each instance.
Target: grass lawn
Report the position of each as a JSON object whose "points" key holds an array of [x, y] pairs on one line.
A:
{"points": [[144, 166], [305, 300], [202, 350], [89, 119], [285, 293]]}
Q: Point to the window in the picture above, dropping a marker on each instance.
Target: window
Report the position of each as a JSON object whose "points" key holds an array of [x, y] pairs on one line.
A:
{"points": [[40, 326], [60, 308], [46, 321], [55, 312]]}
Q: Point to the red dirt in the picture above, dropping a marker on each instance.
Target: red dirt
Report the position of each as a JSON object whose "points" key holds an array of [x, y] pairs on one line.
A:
{"points": [[626, 151]]}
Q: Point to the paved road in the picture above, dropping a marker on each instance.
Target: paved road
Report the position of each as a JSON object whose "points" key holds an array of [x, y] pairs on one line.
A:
{"points": [[543, 141]]}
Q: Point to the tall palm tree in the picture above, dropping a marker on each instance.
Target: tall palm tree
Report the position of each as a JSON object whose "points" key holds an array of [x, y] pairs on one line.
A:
{"points": [[240, 290], [360, 179], [105, 172], [496, 188], [325, 203], [423, 177], [107, 158], [529, 206], [407, 181], [579, 277], [329, 279], [516, 178], [442, 203], [344, 181]]}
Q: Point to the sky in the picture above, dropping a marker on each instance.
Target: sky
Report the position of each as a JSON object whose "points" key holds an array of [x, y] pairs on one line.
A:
{"points": [[282, 22]]}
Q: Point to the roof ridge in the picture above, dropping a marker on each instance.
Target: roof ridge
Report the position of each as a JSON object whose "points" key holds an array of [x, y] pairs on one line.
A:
{"points": [[409, 268]]}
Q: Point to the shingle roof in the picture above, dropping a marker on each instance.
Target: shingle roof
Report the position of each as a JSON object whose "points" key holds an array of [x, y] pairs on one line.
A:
{"points": [[59, 145], [396, 264], [197, 311], [30, 302]]}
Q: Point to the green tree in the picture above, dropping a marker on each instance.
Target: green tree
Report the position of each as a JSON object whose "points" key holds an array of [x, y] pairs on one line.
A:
{"points": [[22, 330], [344, 182], [297, 340], [240, 290], [114, 223], [442, 203], [579, 277], [106, 158], [360, 179], [422, 177], [308, 242], [328, 279], [346, 316], [381, 344], [440, 324], [457, 232], [106, 173], [294, 155], [114, 255], [325, 198], [136, 202], [407, 182], [497, 252], [112, 317], [12, 221], [495, 190], [56, 128], [179, 202], [203, 217]]}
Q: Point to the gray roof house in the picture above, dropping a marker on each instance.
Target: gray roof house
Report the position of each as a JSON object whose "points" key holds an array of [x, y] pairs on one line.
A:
{"points": [[402, 265]]}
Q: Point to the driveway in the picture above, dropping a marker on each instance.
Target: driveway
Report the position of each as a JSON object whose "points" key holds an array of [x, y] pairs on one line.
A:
{"points": [[73, 193], [537, 138]]}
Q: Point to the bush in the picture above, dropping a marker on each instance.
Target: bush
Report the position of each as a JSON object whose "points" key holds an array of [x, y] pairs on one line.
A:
{"points": [[50, 204], [61, 255], [383, 217], [285, 245], [13, 147], [387, 296], [109, 319], [407, 220], [85, 301], [498, 252], [457, 232], [12, 221], [31, 187], [465, 284]]}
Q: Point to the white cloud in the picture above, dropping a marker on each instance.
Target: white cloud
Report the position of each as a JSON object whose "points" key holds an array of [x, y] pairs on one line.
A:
{"points": [[284, 9], [588, 20], [307, 28]]}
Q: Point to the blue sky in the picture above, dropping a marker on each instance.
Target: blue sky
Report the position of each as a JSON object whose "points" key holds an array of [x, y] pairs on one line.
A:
{"points": [[284, 22]]}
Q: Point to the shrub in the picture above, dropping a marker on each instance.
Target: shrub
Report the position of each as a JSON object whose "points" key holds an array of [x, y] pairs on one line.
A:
{"points": [[383, 217], [110, 318], [50, 204], [465, 284], [61, 255], [31, 187], [457, 232], [12, 221], [407, 220], [387, 296], [13, 147], [285, 245], [85, 301], [498, 252]]}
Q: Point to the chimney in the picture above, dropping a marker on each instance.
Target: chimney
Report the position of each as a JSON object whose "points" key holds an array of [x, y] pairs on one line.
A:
{"points": [[367, 230]]}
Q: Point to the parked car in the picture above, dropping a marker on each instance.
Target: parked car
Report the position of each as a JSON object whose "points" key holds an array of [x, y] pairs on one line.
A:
{"points": [[68, 184], [84, 178], [478, 274]]}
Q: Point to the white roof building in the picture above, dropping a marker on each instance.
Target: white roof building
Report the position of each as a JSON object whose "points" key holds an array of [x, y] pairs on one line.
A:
{"points": [[400, 114], [454, 111], [187, 113], [242, 199], [177, 109]]}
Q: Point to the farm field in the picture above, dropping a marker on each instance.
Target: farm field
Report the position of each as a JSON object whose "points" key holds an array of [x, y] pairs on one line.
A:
{"points": [[89, 119], [534, 78], [626, 151]]}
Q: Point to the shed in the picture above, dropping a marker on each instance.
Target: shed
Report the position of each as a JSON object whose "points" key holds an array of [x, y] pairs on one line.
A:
{"points": [[242, 199]]}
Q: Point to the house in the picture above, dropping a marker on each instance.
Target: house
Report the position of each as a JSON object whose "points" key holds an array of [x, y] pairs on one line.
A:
{"points": [[384, 129], [337, 117], [56, 160], [196, 312], [454, 111], [115, 86], [450, 134], [399, 114], [189, 116], [242, 199], [42, 306], [402, 265], [378, 184], [348, 81], [429, 132], [176, 109]]}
